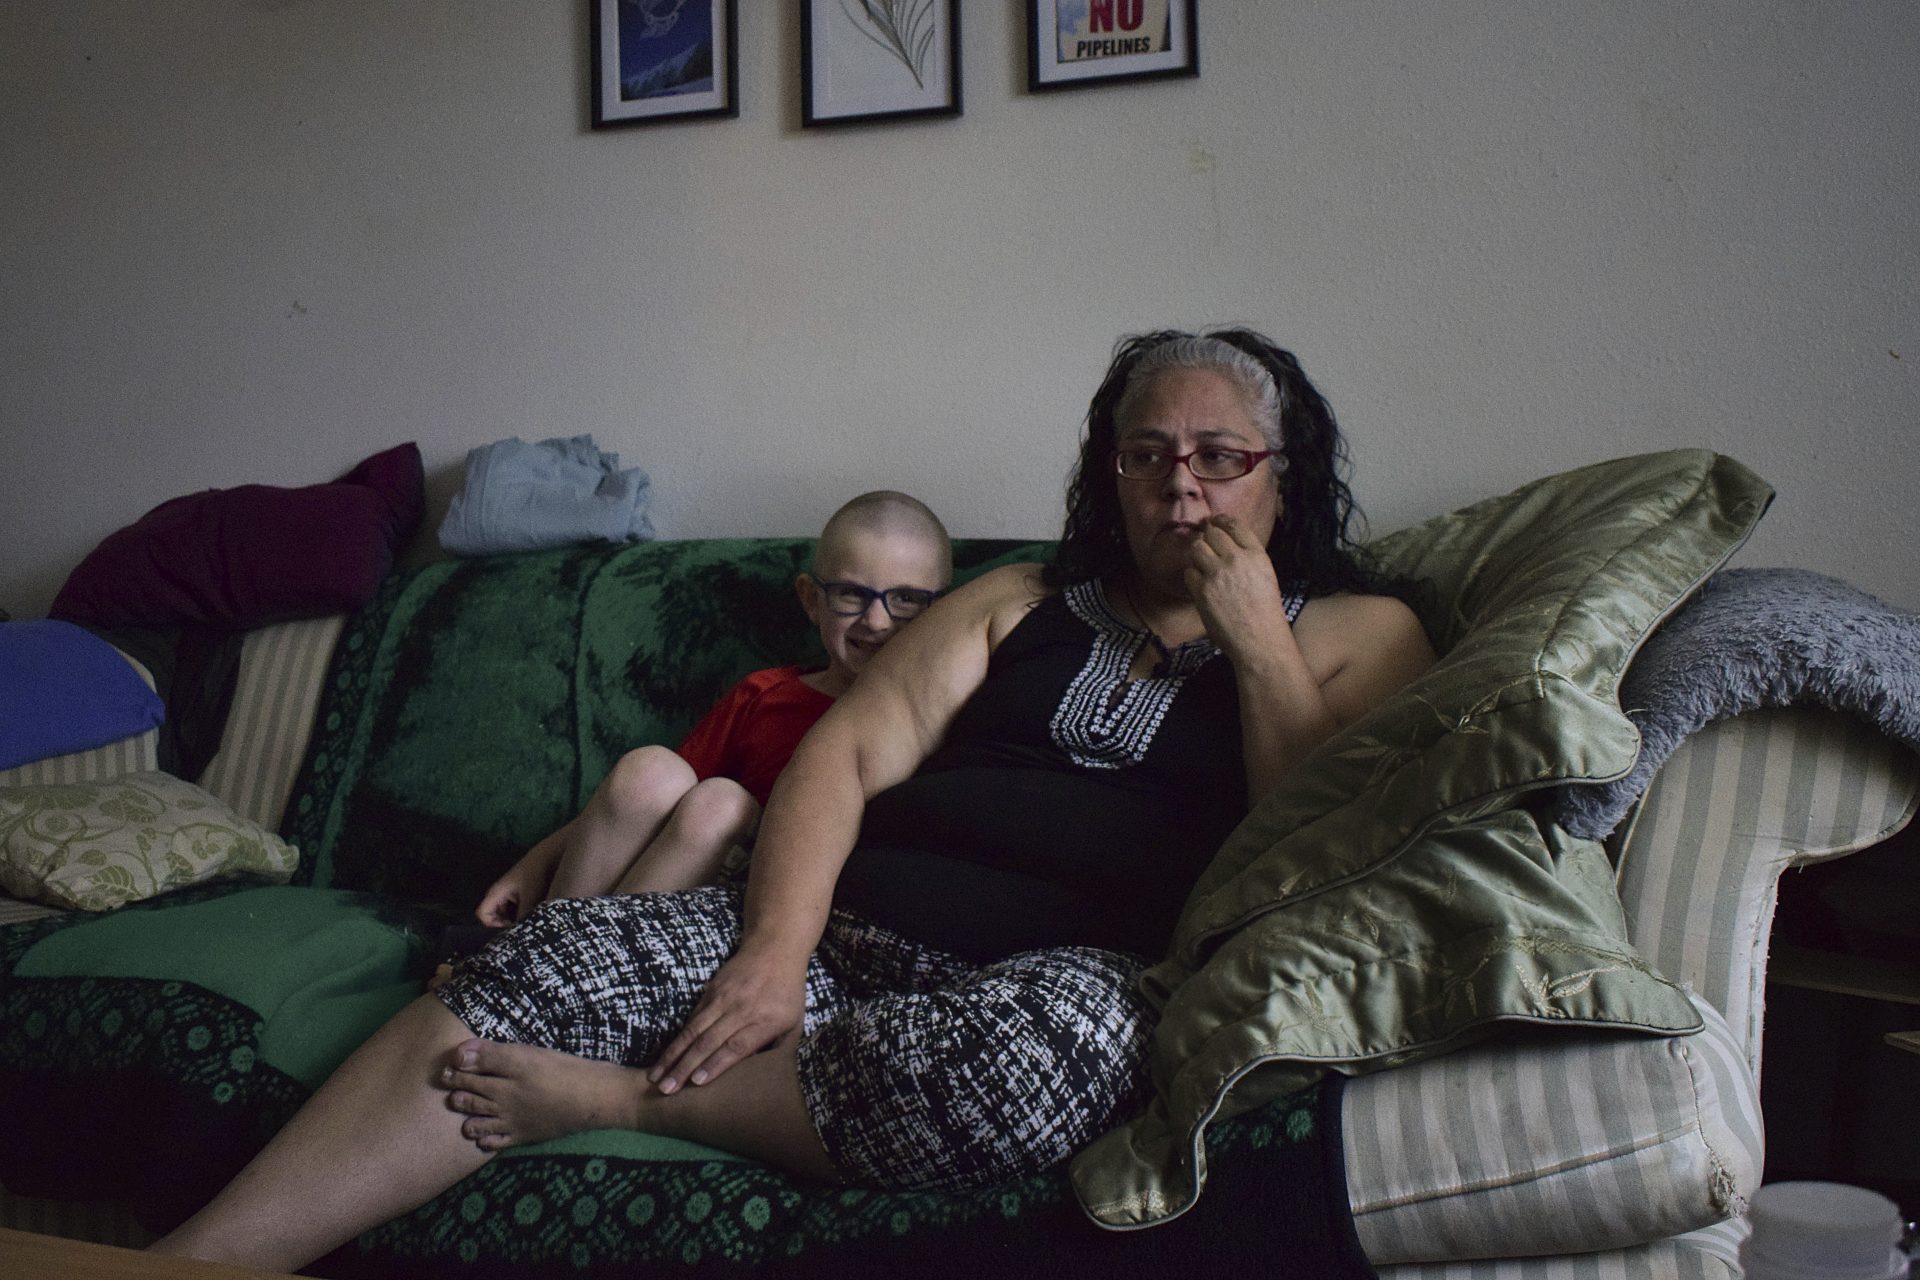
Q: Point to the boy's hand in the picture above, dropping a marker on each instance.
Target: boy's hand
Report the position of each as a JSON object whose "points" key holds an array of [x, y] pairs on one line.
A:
{"points": [[509, 898], [751, 1001], [525, 885]]}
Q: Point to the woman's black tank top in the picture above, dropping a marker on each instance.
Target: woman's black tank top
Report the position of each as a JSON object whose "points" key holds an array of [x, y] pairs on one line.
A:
{"points": [[1068, 804]]}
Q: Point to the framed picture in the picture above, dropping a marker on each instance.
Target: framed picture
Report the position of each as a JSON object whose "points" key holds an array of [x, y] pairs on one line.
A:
{"points": [[1072, 43], [660, 60], [863, 60]]}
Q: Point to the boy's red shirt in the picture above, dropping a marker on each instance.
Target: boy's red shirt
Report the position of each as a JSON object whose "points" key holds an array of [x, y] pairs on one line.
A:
{"points": [[752, 731]]}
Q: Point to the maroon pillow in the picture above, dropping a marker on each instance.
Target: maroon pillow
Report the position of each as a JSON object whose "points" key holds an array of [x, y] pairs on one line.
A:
{"points": [[242, 557]]}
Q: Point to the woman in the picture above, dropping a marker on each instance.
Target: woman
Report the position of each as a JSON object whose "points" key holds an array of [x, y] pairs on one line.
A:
{"points": [[1050, 757]]}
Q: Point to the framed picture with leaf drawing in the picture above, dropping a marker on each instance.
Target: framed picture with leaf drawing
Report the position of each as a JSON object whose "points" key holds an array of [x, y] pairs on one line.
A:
{"points": [[1073, 43], [864, 60], [661, 60]]}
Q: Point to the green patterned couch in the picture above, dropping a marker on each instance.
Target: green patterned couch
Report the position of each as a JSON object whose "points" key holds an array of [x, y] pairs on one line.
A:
{"points": [[411, 750]]}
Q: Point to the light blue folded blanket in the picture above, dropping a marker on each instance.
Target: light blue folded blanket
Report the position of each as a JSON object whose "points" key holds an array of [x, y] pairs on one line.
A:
{"points": [[1757, 638], [526, 497]]}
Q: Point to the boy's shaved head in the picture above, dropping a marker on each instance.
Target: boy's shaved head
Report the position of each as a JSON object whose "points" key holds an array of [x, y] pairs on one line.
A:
{"points": [[886, 513]]}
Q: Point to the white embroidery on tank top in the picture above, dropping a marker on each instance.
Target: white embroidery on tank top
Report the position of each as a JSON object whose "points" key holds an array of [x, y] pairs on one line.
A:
{"points": [[1106, 720]]}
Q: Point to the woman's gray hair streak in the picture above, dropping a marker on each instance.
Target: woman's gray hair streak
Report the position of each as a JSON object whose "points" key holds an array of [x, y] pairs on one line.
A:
{"points": [[1194, 352]]}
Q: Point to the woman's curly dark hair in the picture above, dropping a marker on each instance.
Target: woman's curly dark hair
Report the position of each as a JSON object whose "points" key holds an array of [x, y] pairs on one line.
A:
{"points": [[1314, 547]]}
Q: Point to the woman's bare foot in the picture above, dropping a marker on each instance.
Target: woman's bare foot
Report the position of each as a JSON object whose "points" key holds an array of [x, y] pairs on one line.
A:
{"points": [[513, 1094]]}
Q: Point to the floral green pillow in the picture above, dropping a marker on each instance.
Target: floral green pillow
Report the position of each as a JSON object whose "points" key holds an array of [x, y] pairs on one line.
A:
{"points": [[95, 846]]}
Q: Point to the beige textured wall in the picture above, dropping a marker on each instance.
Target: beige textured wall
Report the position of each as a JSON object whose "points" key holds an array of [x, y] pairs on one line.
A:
{"points": [[255, 240]]}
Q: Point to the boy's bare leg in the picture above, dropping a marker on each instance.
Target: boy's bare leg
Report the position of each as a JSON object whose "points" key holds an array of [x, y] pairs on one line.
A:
{"points": [[624, 815], [692, 847], [374, 1142], [514, 1094]]}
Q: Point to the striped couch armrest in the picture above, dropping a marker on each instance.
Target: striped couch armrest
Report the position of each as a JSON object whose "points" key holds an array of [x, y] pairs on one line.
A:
{"points": [[1548, 1145], [1741, 801], [282, 670], [1712, 1253]]}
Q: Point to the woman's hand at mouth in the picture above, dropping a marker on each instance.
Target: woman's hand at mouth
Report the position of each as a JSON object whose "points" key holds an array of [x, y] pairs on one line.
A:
{"points": [[1231, 580]]}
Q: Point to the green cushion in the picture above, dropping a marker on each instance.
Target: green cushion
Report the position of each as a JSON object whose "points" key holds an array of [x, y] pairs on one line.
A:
{"points": [[1392, 898], [320, 970]]}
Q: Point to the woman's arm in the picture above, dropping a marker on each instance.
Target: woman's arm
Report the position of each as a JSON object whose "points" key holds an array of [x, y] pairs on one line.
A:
{"points": [[1300, 683], [873, 737], [1360, 651]]}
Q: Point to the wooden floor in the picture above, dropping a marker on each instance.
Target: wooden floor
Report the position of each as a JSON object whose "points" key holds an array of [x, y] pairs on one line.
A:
{"points": [[26, 1256]]}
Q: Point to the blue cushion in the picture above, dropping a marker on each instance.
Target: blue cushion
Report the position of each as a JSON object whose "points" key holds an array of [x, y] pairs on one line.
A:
{"points": [[63, 689]]}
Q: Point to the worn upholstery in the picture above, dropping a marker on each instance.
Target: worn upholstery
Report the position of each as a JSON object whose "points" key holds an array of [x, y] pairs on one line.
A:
{"points": [[1411, 1181]]}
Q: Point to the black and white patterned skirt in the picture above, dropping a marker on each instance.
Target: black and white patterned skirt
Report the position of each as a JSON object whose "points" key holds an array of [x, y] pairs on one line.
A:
{"points": [[919, 1069]]}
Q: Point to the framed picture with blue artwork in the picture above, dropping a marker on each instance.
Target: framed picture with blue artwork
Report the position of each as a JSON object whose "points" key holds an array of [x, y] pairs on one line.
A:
{"points": [[661, 60], [867, 60], [1074, 43]]}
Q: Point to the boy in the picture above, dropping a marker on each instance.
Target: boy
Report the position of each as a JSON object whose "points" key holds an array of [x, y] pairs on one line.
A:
{"points": [[664, 820]]}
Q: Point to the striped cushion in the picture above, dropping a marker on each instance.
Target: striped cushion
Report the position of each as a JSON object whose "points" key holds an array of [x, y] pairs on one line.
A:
{"points": [[14, 910], [1740, 802], [282, 668], [129, 755], [1541, 1145]]}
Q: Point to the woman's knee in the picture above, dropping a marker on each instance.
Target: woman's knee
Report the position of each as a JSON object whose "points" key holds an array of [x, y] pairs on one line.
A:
{"points": [[999, 1078]]}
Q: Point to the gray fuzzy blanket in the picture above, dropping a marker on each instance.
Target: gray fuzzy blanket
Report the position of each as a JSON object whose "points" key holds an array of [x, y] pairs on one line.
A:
{"points": [[1757, 638]]}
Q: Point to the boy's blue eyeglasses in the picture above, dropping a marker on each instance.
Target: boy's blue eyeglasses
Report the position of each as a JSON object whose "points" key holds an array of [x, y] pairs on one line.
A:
{"points": [[850, 600]]}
